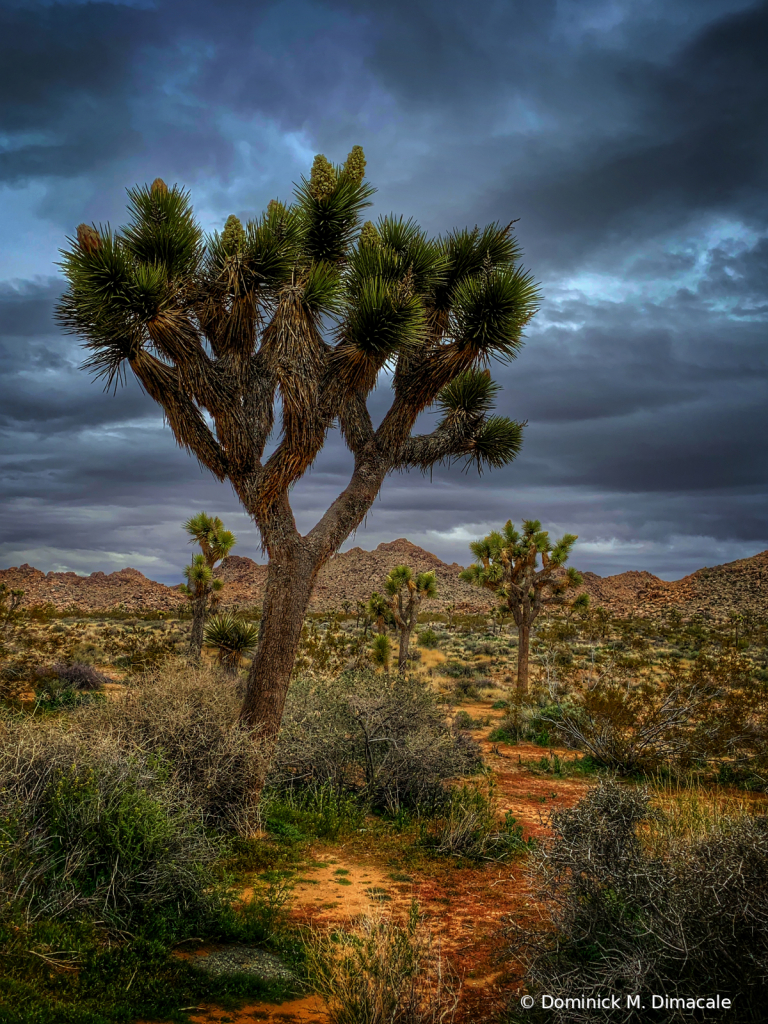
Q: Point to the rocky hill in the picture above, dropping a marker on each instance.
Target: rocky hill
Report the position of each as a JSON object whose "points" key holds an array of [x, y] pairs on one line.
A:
{"points": [[127, 588], [713, 592], [351, 576]]}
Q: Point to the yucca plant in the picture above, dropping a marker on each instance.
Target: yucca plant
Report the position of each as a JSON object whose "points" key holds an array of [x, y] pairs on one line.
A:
{"points": [[302, 310], [507, 563], [232, 638], [406, 592], [378, 611], [381, 651]]}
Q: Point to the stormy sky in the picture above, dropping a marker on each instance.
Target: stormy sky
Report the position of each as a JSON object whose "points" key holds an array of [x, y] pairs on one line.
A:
{"points": [[630, 139]]}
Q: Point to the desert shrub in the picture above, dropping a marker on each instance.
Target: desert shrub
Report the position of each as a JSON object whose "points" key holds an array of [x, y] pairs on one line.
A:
{"points": [[383, 971], [712, 710], [75, 675], [465, 689], [463, 720], [635, 907], [469, 826], [428, 638], [298, 813], [385, 738], [189, 717], [138, 649], [459, 670], [87, 828]]}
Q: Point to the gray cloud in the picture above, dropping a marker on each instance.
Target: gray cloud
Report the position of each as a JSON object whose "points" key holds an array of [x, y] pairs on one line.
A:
{"points": [[629, 140]]}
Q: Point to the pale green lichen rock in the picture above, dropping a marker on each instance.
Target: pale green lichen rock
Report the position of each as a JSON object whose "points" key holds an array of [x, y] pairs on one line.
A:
{"points": [[322, 180], [369, 235], [355, 164], [233, 235]]}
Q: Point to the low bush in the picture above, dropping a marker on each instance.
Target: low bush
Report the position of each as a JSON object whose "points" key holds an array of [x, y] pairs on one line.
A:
{"points": [[638, 907], [428, 638], [75, 675], [188, 717], [84, 828], [383, 971], [714, 710], [383, 737], [470, 827]]}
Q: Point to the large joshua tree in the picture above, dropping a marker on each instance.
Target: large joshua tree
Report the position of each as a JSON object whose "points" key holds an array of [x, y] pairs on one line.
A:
{"points": [[507, 563], [406, 592], [301, 312]]}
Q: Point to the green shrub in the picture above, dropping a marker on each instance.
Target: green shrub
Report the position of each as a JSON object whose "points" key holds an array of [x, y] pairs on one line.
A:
{"points": [[301, 812], [89, 829], [383, 972], [635, 906], [385, 738], [428, 638], [470, 827]]}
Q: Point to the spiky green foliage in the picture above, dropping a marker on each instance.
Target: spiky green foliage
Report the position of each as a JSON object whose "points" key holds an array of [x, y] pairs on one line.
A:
{"points": [[377, 608], [381, 651], [202, 588], [209, 533], [232, 638]]}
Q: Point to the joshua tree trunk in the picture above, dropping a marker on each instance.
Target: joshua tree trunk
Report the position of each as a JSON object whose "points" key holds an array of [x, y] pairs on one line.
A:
{"points": [[290, 579], [198, 625], [402, 658], [523, 644]]}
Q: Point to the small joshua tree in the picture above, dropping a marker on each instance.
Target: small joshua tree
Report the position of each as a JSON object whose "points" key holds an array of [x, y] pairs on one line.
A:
{"points": [[232, 638], [406, 592], [507, 564], [201, 587]]}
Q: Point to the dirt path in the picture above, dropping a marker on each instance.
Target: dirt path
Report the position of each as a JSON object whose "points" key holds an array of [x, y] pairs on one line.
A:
{"points": [[464, 906]]}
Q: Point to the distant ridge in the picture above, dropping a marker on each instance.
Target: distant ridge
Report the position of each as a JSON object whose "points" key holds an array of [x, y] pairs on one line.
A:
{"points": [[352, 575]]}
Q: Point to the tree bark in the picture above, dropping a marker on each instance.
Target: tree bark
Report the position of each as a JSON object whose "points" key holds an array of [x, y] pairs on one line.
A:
{"points": [[402, 657], [290, 579], [198, 625], [523, 643]]}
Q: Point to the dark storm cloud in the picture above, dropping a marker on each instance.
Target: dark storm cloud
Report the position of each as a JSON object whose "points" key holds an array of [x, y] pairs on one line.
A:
{"points": [[630, 140]]}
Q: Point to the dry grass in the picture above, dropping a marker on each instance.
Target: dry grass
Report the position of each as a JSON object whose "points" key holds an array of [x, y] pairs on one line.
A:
{"points": [[384, 971]]}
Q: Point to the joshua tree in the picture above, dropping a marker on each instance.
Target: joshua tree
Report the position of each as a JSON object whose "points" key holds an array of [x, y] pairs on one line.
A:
{"points": [[302, 311], [506, 564], [201, 587], [406, 592], [232, 638]]}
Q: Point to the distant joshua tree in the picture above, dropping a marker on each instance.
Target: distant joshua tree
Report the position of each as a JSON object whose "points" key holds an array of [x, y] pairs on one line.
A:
{"points": [[506, 564], [297, 316], [406, 592], [201, 587]]}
